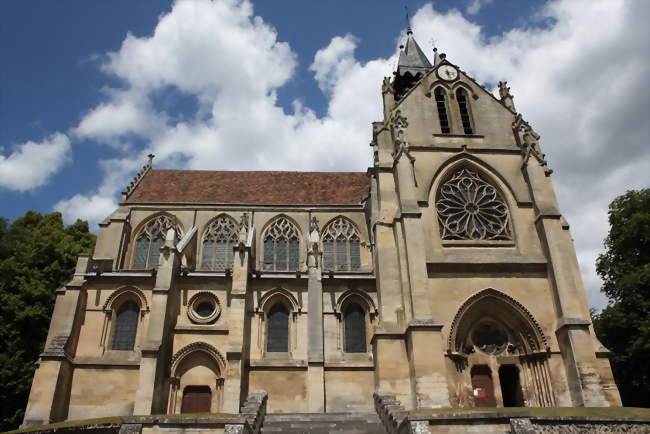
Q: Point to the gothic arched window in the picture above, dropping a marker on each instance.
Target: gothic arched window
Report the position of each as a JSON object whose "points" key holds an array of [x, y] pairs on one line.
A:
{"points": [[441, 103], [149, 241], [218, 241], [277, 332], [341, 251], [281, 246], [354, 322], [463, 106], [471, 209], [126, 326]]}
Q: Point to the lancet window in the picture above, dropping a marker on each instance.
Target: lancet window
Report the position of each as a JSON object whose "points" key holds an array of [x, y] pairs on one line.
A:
{"points": [[341, 251], [277, 332], [441, 103], [281, 246], [354, 323], [469, 208], [150, 240], [126, 326], [463, 106], [218, 241]]}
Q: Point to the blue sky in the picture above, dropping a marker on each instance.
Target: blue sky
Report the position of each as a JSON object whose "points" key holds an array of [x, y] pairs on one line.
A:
{"points": [[294, 85]]}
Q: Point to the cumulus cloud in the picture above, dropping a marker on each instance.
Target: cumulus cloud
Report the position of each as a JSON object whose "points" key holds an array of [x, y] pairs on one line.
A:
{"points": [[582, 93], [32, 164], [475, 6]]}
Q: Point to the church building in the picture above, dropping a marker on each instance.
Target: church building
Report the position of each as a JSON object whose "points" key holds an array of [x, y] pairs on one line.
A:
{"points": [[445, 274]]}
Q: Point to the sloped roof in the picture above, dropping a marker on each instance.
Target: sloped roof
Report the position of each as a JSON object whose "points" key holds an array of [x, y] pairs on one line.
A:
{"points": [[412, 59], [258, 188]]}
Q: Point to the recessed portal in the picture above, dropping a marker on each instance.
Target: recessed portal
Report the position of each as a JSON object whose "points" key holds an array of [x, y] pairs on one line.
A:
{"points": [[510, 386], [196, 399], [483, 387]]}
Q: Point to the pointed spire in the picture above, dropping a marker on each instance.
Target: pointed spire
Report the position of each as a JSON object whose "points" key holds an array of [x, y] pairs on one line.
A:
{"points": [[411, 58]]}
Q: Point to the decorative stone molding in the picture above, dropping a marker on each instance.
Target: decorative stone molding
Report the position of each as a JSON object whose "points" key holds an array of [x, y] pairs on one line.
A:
{"points": [[196, 300], [108, 304], [137, 178], [293, 303], [197, 346], [254, 409], [538, 342], [371, 307], [528, 141]]}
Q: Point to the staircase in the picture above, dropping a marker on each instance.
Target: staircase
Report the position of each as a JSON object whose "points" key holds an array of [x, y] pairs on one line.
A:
{"points": [[352, 423]]}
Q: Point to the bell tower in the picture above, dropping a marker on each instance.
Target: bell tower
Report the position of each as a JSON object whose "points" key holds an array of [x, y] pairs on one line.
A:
{"points": [[481, 297]]}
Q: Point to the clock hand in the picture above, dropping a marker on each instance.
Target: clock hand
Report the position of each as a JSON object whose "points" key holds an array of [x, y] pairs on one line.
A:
{"points": [[448, 73]]}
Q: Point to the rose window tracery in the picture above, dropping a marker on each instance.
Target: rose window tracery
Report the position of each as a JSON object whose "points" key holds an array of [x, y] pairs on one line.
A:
{"points": [[471, 209]]}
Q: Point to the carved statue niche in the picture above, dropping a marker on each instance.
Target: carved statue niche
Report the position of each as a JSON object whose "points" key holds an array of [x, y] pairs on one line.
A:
{"points": [[314, 243]]}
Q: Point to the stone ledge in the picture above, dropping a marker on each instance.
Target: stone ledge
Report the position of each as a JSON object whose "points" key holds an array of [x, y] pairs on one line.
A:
{"points": [[278, 363]]}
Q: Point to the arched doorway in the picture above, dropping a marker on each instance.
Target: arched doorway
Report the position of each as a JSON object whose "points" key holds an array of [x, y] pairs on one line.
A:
{"points": [[196, 385], [500, 352]]}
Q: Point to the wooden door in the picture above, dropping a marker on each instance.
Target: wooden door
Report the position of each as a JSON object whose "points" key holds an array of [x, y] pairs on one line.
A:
{"points": [[196, 399], [483, 387]]}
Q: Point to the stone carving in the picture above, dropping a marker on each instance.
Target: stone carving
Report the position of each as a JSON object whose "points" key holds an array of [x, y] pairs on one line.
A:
{"points": [[471, 209], [528, 141], [243, 229], [537, 342], [387, 86], [506, 96], [194, 306], [197, 346], [108, 304], [138, 177]]}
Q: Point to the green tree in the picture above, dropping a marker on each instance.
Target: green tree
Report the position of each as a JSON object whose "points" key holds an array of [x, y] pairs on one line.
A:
{"points": [[624, 325], [37, 256]]}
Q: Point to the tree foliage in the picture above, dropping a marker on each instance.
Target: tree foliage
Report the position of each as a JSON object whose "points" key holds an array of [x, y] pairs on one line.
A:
{"points": [[624, 325], [37, 256]]}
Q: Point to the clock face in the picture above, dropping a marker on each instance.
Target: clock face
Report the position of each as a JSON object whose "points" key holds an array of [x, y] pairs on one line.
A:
{"points": [[447, 72]]}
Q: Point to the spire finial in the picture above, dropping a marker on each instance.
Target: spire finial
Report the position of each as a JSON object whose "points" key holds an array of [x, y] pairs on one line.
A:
{"points": [[408, 21]]}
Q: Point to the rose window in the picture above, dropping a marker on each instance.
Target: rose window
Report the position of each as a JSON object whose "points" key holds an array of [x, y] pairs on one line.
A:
{"points": [[471, 209]]}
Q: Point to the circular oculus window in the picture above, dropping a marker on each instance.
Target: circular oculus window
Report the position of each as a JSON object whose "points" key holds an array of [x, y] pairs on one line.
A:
{"points": [[203, 308]]}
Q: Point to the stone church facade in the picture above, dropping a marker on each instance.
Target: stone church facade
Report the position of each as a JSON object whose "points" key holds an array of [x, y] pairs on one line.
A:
{"points": [[445, 274]]}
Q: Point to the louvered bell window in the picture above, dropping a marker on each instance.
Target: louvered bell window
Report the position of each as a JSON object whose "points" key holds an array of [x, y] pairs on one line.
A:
{"points": [[463, 106], [126, 326], [441, 104], [277, 336], [354, 318]]}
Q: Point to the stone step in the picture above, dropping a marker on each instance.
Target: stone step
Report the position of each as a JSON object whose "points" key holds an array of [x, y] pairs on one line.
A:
{"points": [[316, 423]]}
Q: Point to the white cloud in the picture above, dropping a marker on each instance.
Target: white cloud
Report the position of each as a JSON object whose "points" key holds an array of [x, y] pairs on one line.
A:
{"points": [[577, 79], [32, 164], [475, 6], [93, 208]]}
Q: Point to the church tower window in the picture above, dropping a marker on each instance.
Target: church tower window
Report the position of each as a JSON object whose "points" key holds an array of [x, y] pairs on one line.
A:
{"points": [[354, 322], [341, 246], [126, 326], [281, 246], [441, 103], [218, 242], [469, 208], [150, 240], [463, 106], [277, 333]]}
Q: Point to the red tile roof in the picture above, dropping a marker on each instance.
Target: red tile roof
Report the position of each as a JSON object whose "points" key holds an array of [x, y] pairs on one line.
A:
{"points": [[225, 187]]}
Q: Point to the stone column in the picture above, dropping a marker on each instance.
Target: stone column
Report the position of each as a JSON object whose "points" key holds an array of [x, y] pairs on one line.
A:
{"points": [[150, 378], [315, 352], [239, 330], [574, 337], [50, 391]]}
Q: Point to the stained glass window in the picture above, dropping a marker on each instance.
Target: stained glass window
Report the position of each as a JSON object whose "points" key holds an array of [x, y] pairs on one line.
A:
{"points": [[277, 337], [126, 326], [341, 246], [354, 319], [281, 246], [218, 241], [469, 208], [149, 241]]}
